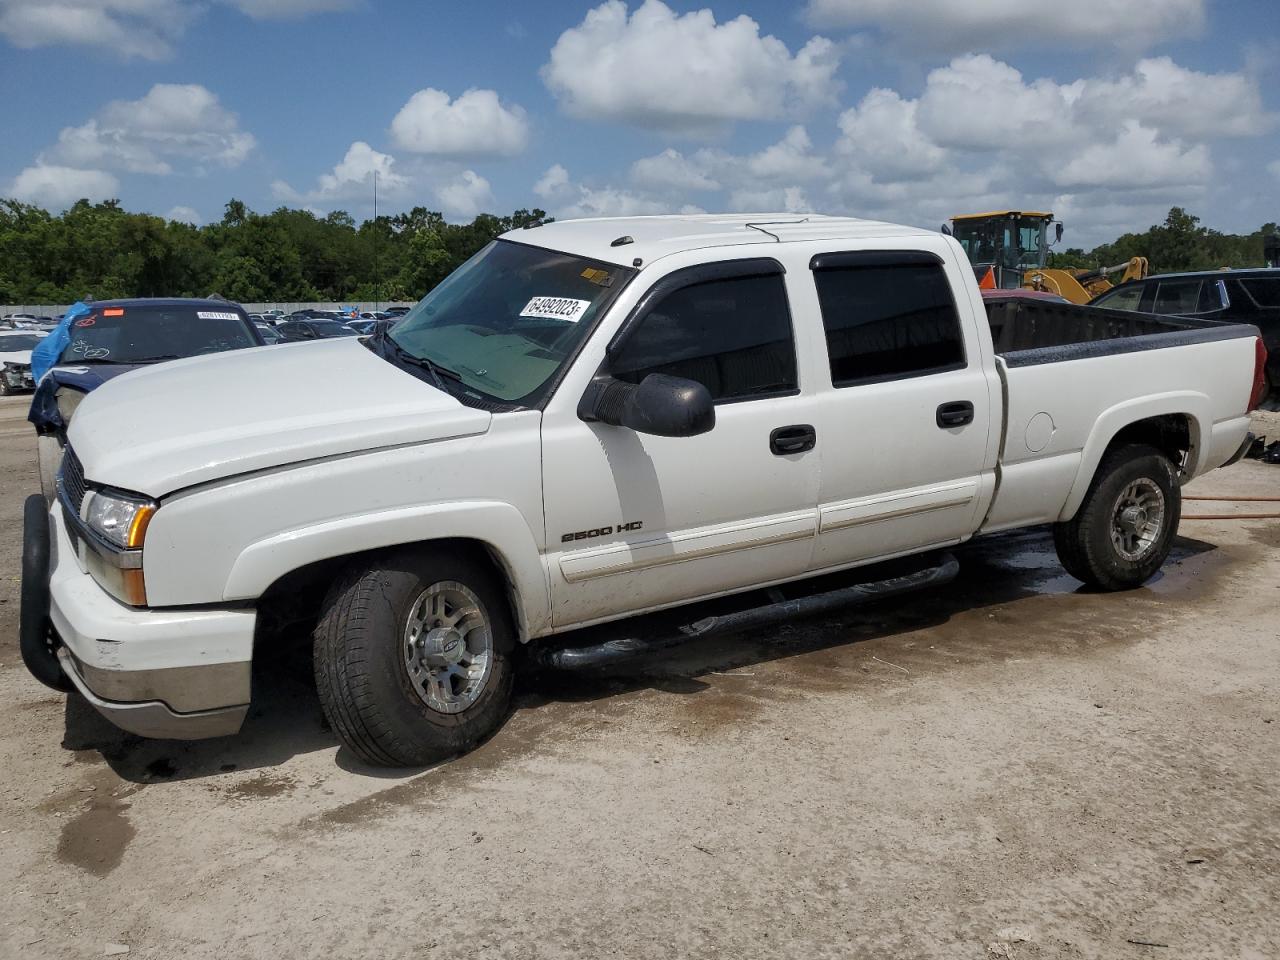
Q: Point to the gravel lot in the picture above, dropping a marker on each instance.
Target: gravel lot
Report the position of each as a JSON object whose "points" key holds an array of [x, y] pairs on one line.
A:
{"points": [[1006, 767]]}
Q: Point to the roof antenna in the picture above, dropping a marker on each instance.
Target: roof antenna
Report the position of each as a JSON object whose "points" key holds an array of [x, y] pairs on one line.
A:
{"points": [[774, 223]]}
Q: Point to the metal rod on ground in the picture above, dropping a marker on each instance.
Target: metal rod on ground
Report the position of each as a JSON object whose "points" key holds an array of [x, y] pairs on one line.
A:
{"points": [[1233, 516], [1237, 499]]}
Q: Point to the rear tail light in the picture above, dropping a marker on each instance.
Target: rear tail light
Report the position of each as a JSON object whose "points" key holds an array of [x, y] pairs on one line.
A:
{"points": [[1259, 392]]}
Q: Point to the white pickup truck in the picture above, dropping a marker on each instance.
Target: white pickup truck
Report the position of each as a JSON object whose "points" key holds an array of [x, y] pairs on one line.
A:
{"points": [[586, 421]]}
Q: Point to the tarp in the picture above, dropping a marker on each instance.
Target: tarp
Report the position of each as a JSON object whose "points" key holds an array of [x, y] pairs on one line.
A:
{"points": [[48, 350]]}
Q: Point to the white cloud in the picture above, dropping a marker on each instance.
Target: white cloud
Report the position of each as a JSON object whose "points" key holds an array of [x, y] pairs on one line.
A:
{"points": [[289, 9], [960, 25], [671, 169], [552, 183], [1274, 168], [788, 199], [476, 124], [58, 187], [570, 200], [351, 178], [182, 214], [1179, 101], [684, 73], [1136, 158], [465, 196], [882, 136], [791, 158], [127, 28], [172, 122]]}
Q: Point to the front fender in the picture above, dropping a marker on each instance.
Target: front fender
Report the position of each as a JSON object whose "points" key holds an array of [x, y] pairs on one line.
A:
{"points": [[499, 525], [1196, 407]]}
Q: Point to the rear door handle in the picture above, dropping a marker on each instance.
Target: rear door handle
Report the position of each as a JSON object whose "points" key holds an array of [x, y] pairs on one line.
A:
{"points": [[796, 438], [958, 413]]}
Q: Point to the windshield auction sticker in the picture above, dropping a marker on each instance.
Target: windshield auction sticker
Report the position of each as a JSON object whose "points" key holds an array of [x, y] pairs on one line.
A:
{"points": [[556, 308], [215, 315]]}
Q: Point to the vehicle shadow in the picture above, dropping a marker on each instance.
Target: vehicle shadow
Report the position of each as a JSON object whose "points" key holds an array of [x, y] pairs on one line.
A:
{"points": [[995, 570], [286, 720]]}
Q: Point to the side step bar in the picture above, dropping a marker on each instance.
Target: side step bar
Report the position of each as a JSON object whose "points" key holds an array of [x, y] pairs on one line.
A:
{"points": [[623, 649]]}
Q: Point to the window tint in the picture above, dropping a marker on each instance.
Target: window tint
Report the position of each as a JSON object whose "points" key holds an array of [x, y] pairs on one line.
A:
{"points": [[1177, 296], [1212, 296], [888, 320], [1265, 292], [1127, 299], [733, 336]]}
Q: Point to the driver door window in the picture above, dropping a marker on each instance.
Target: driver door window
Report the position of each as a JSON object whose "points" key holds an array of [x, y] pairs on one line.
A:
{"points": [[733, 336]]}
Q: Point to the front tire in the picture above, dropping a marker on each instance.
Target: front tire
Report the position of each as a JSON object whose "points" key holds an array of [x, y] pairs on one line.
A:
{"points": [[1125, 527], [414, 657]]}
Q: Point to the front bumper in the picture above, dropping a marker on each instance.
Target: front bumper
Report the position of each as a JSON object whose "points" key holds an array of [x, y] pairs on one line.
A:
{"points": [[18, 378], [175, 673]]}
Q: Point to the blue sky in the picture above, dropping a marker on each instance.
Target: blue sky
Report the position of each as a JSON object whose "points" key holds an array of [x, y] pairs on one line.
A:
{"points": [[1106, 111]]}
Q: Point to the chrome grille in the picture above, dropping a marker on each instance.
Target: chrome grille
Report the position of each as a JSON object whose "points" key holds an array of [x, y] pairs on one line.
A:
{"points": [[72, 474]]}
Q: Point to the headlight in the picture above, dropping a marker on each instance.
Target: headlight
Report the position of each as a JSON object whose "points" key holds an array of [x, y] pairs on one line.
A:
{"points": [[121, 520]]}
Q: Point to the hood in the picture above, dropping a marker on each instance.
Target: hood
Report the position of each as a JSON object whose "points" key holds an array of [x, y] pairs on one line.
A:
{"points": [[176, 424], [89, 376]]}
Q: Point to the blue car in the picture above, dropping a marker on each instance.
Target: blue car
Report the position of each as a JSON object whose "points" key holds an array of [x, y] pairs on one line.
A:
{"points": [[117, 336]]}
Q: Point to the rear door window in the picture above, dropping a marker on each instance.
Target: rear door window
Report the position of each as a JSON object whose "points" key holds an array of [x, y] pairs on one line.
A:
{"points": [[887, 316], [1178, 296], [1130, 298], [1264, 292]]}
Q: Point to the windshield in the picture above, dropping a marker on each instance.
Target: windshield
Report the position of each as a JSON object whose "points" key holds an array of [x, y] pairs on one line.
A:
{"points": [[508, 319], [146, 333], [21, 342], [1007, 241]]}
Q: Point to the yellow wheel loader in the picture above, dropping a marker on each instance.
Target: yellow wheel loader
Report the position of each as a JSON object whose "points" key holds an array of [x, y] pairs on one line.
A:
{"points": [[1009, 249]]}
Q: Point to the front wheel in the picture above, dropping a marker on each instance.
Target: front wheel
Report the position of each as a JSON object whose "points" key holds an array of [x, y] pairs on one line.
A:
{"points": [[413, 657], [1125, 527]]}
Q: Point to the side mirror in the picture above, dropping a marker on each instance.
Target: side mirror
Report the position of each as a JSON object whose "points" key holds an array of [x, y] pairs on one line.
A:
{"points": [[662, 405], [1058, 231], [946, 230]]}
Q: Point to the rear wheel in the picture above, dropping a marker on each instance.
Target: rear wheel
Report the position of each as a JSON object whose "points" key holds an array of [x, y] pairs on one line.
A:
{"points": [[413, 657], [1125, 527]]}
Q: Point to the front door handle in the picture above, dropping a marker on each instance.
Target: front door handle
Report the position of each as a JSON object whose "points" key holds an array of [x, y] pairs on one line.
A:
{"points": [[796, 438], [958, 413]]}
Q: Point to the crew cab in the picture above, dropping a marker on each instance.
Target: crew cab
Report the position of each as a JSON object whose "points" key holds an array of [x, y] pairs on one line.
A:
{"points": [[587, 421]]}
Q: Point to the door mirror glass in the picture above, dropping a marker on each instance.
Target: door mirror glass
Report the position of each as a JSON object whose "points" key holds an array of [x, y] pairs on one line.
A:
{"points": [[660, 404]]}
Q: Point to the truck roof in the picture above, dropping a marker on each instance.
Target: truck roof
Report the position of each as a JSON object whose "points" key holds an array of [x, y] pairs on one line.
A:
{"points": [[653, 237]]}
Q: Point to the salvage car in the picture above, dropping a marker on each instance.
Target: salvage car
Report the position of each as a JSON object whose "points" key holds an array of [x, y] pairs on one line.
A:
{"points": [[587, 421], [15, 360], [119, 336], [314, 328], [1242, 296]]}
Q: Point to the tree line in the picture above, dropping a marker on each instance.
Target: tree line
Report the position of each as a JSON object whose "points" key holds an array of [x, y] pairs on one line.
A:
{"points": [[1178, 244], [103, 251]]}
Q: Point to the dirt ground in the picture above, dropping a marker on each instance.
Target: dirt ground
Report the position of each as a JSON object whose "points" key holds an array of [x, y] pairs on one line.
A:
{"points": [[1006, 767]]}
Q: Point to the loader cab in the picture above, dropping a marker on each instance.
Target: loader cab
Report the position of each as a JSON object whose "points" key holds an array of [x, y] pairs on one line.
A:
{"points": [[1004, 244]]}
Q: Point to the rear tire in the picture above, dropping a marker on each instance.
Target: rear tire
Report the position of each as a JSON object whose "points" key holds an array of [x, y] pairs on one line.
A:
{"points": [[414, 657], [1125, 527]]}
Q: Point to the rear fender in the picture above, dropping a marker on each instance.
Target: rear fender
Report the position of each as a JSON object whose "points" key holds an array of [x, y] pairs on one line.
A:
{"points": [[1194, 406]]}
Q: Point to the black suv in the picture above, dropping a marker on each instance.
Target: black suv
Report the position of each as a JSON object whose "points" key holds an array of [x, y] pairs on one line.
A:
{"points": [[1241, 296]]}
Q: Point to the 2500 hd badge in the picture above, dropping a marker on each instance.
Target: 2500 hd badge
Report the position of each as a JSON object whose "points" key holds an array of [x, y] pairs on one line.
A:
{"points": [[601, 531]]}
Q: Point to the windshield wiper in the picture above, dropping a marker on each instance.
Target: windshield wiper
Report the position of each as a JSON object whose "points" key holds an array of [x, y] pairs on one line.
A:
{"points": [[155, 359], [423, 363]]}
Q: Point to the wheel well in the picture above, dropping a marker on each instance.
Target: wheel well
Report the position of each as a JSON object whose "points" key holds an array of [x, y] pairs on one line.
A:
{"points": [[1169, 433], [295, 598]]}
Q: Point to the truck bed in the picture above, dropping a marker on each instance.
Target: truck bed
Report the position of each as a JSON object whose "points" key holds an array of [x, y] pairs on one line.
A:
{"points": [[1028, 330]]}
